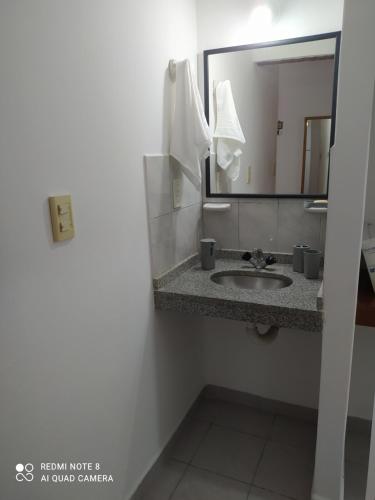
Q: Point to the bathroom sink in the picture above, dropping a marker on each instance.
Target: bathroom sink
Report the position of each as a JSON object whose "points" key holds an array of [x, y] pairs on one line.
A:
{"points": [[253, 280]]}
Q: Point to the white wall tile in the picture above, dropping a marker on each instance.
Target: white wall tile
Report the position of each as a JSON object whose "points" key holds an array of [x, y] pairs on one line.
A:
{"points": [[158, 185], [190, 194], [258, 224], [297, 226], [187, 223], [174, 233], [174, 237], [163, 243], [223, 227]]}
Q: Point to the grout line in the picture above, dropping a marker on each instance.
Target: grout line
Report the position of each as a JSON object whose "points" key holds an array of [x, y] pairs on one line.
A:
{"points": [[272, 428], [233, 429], [211, 424], [258, 464], [179, 209], [179, 460], [200, 443], [253, 484], [174, 210], [218, 474], [270, 491], [178, 482], [221, 475]]}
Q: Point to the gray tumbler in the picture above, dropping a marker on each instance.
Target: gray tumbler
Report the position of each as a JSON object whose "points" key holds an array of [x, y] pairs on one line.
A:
{"points": [[208, 254], [298, 259], [312, 260]]}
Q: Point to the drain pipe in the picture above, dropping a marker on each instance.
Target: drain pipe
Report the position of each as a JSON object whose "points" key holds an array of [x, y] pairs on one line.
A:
{"points": [[267, 336]]}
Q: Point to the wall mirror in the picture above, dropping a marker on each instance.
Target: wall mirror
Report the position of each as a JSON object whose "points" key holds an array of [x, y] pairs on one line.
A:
{"points": [[271, 108]]}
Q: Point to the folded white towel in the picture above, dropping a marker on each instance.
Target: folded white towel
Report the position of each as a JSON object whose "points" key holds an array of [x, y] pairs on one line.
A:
{"points": [[228, 131], [191, 137]]}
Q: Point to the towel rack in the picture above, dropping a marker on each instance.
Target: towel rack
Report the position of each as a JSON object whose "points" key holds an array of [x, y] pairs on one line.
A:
{"points": [[172, 69]]}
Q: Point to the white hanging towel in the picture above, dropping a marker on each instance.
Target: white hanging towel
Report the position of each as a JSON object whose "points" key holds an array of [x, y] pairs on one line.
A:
{"points": [[191, 137], [228, 131]]}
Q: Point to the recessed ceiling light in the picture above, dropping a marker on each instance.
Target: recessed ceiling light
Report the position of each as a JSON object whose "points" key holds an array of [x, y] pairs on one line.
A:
{"points": [[261, 17]]}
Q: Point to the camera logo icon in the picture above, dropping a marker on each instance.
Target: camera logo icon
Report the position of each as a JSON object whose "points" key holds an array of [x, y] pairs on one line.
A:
{"points": [[24, 472]]}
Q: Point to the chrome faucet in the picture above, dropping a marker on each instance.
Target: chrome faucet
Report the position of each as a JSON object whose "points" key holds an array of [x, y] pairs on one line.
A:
{"points": [[258, 259]]}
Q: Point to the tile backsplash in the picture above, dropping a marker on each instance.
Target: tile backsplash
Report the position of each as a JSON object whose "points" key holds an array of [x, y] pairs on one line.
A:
{"points": [[272, 224], [174, 232]]}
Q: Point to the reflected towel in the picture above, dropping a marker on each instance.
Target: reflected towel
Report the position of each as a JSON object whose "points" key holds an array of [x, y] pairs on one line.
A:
{"points": [[228, 131], [191, 137]]}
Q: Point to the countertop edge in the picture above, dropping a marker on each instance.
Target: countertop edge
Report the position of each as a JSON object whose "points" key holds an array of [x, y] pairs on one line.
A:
{"points": [[283, 317]]}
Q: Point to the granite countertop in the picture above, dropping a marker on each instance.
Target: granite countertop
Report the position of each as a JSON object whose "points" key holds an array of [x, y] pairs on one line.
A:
{"points": [[189, 289]]}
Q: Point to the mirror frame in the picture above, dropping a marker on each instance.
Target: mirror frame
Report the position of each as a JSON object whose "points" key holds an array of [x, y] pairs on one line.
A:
{"points": [[289, 41]]}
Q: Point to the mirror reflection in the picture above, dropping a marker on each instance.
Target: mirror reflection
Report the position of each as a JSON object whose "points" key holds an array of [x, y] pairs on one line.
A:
{"points": [[270, 112], [316, 147]]}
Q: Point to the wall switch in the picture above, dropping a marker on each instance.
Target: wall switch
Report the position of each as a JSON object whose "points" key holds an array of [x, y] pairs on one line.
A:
{"points": [[177, 192], [61, 217]]}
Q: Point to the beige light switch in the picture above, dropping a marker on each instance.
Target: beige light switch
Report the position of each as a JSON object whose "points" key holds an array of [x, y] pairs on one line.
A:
{"points": [[61, 217], [177, 192]]}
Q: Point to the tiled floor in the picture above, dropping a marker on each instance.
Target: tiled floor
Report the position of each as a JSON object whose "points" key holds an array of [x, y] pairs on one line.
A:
{"points": [[232, 452], [356, 465]]}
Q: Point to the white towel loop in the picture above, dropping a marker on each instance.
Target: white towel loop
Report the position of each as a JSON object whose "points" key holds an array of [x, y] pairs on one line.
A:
{"points": [[172, 69]]}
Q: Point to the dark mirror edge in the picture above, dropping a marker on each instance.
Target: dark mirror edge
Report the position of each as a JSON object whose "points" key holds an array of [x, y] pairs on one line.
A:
{"points": [[287, 41]]}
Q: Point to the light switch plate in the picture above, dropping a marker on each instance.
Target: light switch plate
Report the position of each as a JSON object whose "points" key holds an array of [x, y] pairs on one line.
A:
{"points": [[177, 192], [61, 217]]}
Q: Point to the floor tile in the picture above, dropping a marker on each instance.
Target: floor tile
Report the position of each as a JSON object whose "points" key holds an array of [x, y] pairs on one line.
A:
{"points": [[286, 470], [187, 440], [245, 419], [230, 453], [161, 481], [294, 432], [357, 447], [355, 481], [208, 409], [259, 494], [202, 485]]}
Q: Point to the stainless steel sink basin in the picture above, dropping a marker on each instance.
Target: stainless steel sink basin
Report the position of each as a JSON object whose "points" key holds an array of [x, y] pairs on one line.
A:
{"points": [[252, 280]]}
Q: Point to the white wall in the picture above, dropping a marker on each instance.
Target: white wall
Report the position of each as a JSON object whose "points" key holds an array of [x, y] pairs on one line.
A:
{"points": [[305, 89], [370, 198], [286, 370], [348, 177], [87, 370], [222, 23]]}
